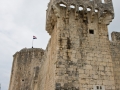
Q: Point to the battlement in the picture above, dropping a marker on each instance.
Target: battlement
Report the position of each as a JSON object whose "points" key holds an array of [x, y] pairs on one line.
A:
{"points": [[101, 5], [25, 69], [29, 51], [115, 36], [104, 10]]}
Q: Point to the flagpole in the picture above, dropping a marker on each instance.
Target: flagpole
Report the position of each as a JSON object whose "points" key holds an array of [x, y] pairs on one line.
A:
{"points": [[34, 37], [0, 86], [32, 43]]}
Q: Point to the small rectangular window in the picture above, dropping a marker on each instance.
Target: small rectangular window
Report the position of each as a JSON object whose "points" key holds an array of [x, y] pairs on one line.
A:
{"points": [[91, 31], [97, 87]]}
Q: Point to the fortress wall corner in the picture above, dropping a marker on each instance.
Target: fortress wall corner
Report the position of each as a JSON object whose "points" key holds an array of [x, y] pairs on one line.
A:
{"points": [[115, 52]]}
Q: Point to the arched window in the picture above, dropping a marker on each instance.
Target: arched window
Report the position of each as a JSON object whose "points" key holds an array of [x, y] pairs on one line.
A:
{"points": [[72, 6], [62, 5], [80, 8], [88, 9]]}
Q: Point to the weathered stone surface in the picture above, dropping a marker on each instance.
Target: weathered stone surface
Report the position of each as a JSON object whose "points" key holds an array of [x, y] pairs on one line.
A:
{"points": [[25, 69], [115, 52]]}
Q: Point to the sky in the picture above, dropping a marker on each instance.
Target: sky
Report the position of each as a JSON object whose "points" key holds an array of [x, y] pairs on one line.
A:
{"points": [[19, 21]]}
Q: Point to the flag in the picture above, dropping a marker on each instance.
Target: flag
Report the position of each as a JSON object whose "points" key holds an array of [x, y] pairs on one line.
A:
{"points": [[34, 37]]}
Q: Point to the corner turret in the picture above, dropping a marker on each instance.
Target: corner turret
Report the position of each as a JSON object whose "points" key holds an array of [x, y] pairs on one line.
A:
{"points": [[25, 69]]}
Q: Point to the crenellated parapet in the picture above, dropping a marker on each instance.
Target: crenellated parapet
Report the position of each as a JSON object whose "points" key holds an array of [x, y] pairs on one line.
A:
{"points": [[30, 51], [103, 8], [115, 36]]}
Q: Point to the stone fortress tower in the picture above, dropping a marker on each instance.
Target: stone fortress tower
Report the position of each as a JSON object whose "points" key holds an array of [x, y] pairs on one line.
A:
{"points": [[79, 55], [25, 69]]}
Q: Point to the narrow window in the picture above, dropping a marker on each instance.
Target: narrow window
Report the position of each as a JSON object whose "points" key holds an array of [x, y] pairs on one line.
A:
{"points": [[68, 43], [97, 87], [91, 31]]}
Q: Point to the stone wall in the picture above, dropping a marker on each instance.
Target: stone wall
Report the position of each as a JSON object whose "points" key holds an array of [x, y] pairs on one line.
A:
{"points": [[25, 69], [115, 52], [47, 71]]}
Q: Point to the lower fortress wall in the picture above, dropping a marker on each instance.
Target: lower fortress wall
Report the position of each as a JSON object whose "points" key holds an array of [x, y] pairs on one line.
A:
{"points": [[115, 52], [46, 74], [46, 80]]}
